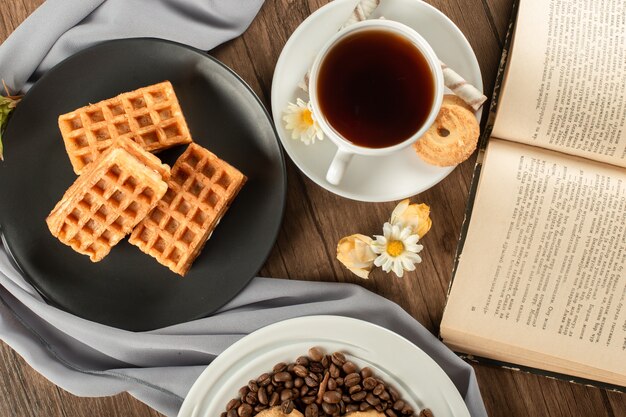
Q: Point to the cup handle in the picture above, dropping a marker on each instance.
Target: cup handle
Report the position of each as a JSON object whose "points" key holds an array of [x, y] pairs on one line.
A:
{"points": [[338, 166]]}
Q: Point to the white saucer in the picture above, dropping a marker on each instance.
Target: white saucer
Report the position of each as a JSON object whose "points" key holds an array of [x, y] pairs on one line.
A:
{"points": [[418, 379], [374, 179]]}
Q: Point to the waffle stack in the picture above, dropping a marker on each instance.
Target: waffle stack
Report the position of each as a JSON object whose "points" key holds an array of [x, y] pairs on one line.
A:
{"points": [[201, 189], [106, 202], [150, 116], [122, 188]]}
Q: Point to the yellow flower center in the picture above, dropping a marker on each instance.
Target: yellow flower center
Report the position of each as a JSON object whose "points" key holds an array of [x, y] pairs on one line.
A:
{"points": [[395, 248], [307, 117]]}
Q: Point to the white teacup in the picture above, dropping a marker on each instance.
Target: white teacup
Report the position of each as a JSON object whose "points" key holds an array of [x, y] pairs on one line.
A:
{"points": [[346, 149]]}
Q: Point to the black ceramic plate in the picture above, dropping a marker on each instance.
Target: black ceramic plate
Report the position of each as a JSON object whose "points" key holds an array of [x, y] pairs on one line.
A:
{"points": [[129, 289]]}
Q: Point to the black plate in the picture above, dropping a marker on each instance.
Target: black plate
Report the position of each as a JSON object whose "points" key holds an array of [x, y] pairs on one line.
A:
{"points": [[129, 289]]}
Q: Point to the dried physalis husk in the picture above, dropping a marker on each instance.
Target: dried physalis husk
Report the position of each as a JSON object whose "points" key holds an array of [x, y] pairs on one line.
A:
{"points": [[356, 255], [415, 216]]}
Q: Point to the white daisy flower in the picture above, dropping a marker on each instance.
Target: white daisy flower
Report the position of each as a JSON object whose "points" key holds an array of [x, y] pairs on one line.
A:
{"points": [[397, 250], [300, 120]]}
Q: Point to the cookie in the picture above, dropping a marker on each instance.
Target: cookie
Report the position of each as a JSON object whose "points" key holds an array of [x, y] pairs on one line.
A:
{"points": [[454, 100], [453, 136]]}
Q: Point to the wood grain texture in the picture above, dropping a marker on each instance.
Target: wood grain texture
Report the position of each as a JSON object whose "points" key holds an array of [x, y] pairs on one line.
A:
{"points": [[315, 220]]}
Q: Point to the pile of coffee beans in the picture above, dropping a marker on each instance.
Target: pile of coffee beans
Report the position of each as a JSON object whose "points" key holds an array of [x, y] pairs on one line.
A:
{"points": [[319, 385]]}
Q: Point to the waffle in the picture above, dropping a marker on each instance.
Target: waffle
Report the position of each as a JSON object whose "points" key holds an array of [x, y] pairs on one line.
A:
{"points": [[109, 199], [201, 189], [150, 116]]}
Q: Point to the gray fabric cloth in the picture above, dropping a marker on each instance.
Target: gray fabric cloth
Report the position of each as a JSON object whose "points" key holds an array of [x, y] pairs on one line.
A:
{"points": [[159, 367]]}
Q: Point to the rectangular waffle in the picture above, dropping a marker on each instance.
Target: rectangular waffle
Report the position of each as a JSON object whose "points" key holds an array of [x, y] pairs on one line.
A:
{"points": [[150, 116], [106, 202], [201, 189]]}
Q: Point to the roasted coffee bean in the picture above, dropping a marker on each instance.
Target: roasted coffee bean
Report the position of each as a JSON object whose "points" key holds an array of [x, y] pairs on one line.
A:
{"points": [[338, 358], [372, 399], [302, 360], [309, 399], [232, 413], [366, 372], [332, 384], [304, 390], [390, 413], [346, 399], [259, 407], [332, 397], [311, 380], [290, 367], [358, 396], [378, 389], [251, 398], [398, 405], [243, 391], [244, 410], [298, 382], [300, 371], [326, 361], [339, 381], [316, 367], [274, 399], [223, 414], [234, 403], [407, 410], [334, 371], [270, 389], [286, 395], [353, 389], [253, 386], [288, 384], [364, 406], [330, 408], [264, 380], [311, 410], [349, 367], [369, 383], [352, 379], [342, 407], [351, 408], [394, 394], [279, 367], [287, 407], [262, 396], [379, 408], [426, 413], [384, 396], [282, 376], [316, 354]]}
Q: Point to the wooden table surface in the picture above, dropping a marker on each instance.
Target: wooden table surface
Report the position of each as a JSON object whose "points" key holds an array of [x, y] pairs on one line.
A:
{"points": [[316, 219]]}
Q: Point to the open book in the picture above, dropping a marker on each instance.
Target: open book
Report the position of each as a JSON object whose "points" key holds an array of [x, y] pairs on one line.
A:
{"points": [[541, 277]]}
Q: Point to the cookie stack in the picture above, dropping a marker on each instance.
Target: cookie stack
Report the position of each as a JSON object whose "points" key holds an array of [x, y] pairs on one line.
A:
{"points": [[122, 188]]}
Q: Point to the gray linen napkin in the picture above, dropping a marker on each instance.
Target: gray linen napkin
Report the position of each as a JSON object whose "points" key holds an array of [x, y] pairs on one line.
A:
{"points": [[159, 367]]}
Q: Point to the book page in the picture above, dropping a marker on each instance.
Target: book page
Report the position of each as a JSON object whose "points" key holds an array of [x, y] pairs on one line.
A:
{"points": [[543, 267], [565, 85]]}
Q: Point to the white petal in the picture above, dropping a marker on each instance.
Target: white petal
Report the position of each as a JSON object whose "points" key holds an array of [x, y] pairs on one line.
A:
{"points": [[387, 230], [397, 269], [413, 248], [395, 232], [411, 240], [405, 233], [413, 257], [407, 264]]}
